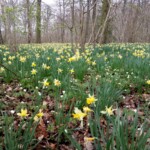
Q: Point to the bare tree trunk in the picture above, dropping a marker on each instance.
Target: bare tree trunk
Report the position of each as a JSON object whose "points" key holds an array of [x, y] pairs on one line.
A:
{"points": [[28, 21], [63, 22], [87, 24], [4, 21], [38, 22], [81, 25], [72, 24], [105, 10], [13, 40], [1, 37], [94, 21], [62, 19]]}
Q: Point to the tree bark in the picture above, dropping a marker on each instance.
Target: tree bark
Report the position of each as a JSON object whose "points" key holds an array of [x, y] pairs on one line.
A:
{"points": [[87, 22], [29, 21], [1, 37], [72, 24], [94, 21], [38, 22], [105, 10]]}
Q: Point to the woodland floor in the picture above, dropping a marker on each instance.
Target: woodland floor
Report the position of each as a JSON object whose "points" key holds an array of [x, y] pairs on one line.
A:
{"points": [[12, 94]]}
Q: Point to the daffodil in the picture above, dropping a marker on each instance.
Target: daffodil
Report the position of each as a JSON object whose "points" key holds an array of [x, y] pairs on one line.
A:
{"points": [[33, 64], [22, 59], [57, 82], [72, 71], [108, 111], [89, 139], [120, 56], [91, 99], [148, 82], [71, 59], [87, 109], [33, 71], [44, 66], [45, 83], [39, 115], [2, 69], [60, 70], [9, 62], [48, 67], [48, 58], [78, 114], [93, 63], [23, 113]]}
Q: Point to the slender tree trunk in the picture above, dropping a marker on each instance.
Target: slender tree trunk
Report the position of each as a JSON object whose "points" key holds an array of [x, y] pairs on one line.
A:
{"points": [[63, 22], [38, 22], [1, 37], [29, 21], [81, 25], [87, 22], [105, 10], [72, 25], [4, 21], [94, 21]]}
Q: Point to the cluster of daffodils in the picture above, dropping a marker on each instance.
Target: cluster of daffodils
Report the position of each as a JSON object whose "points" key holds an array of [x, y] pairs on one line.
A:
{"points": [[78, 114], [46, 83], [76, 57], [34, 71], [45, 67], [24, 114], [139, 53]]}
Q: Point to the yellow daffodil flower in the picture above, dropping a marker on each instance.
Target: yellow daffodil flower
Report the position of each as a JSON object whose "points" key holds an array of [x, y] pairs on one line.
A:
{"points": [[148, 82], [2, 69], [39, 115], [89, 139], [72, 71], [57, 82], [108, 111], [78, 114], [23, 113], [33, 64], [44, 66], [87, 109], [22, 59], [33, 71], [60, 70], [71, 59], [45, 83], [91, 99]]}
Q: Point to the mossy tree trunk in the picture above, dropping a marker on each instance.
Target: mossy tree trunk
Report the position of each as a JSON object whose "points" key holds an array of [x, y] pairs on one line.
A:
{"points": [[38, 22], [105, 23], [29, 21]]}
